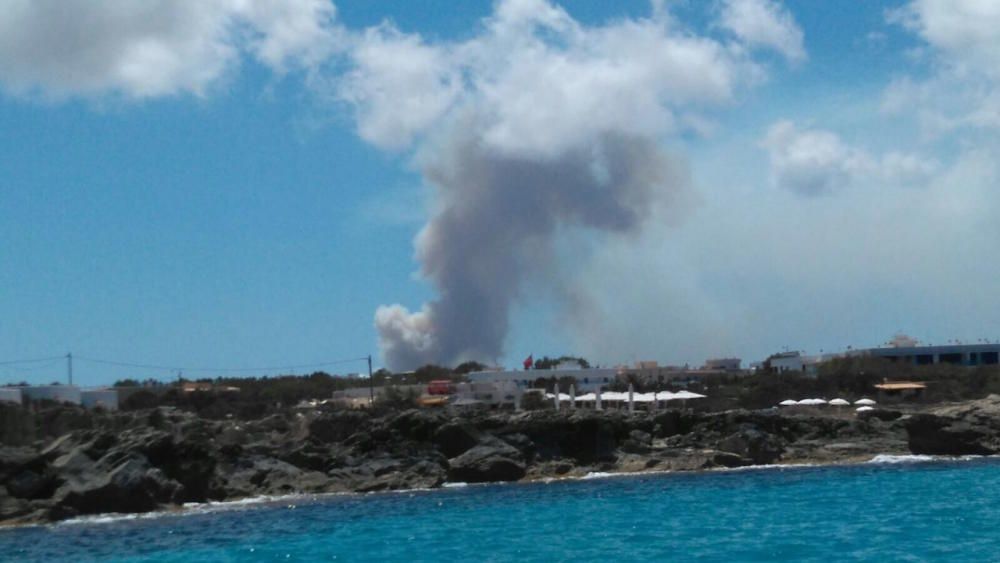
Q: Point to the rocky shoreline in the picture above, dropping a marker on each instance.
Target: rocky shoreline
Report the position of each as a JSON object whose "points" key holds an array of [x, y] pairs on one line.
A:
{"points": [[163, 458]]}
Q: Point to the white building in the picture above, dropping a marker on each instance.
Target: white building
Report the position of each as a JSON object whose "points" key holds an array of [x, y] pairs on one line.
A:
{"points": [[58, 393], [105, 398], [724, 364], [10, 395], [488, 393], [785, 361], [584, 379], [796, 361]]}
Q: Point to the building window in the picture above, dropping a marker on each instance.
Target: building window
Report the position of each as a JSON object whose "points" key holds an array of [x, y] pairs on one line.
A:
{"points": [[950, 358]]}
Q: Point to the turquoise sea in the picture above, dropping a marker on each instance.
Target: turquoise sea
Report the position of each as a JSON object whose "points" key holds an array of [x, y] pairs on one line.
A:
{"points": [[902, 511]]}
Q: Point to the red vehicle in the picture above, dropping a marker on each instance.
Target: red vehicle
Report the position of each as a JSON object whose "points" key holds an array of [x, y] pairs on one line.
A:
{"points": [[440, 387]]}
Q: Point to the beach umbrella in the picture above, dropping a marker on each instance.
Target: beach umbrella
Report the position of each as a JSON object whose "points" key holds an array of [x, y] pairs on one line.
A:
{"points": [[865, 402], [788, 403], [665, 396], [812, 402], [839, 403], [864, 408], [685, 394], [586, 397]]}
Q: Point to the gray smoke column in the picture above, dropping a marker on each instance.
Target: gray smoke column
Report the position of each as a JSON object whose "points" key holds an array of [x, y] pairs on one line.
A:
{"points": [[497, 218], [533, 129]]}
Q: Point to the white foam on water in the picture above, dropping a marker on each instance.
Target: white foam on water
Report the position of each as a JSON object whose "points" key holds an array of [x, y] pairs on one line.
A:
{"points": [[917, 458], [894, 459], [455, 485], [195, 508]]}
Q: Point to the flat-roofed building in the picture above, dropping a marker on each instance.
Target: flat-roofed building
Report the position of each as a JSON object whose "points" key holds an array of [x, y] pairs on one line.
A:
{"points": [[958, 354], [584, 379], [104, 398], [57, 393], [10, 395], [724, 364]]}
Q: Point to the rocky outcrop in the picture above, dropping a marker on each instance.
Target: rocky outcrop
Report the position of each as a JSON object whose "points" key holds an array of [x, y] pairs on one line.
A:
{"points": [[141, 461], [969, 428], [486, 463]]}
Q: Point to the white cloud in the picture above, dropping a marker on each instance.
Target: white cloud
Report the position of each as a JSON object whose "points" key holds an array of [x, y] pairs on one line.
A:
{"points": [[541, 81], [399, 85], [815, 162], [62, 48], [764, 23], [752, 271], [967, 32], [963, 88]]}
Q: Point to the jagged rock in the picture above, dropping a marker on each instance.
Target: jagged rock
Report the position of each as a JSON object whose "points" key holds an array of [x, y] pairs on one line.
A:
{"points": [[143, 460], [936, 435], [132, 486], [423, 474], [456, 438], [522, 443], [584, 436], [30, 485], [264, 475], [759, 447], [335, 427], [309, 457], [487, 463], [638, 442], [885, 415], [671, 423], [13, 508], [419, 425]]}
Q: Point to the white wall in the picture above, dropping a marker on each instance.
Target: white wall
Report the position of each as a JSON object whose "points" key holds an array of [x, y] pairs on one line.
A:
{"points": [[10, 395], [107, 398], [60, 393], [586, 379]]}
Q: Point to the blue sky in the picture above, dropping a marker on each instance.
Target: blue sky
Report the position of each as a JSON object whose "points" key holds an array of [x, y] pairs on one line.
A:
{"points": [[247, 192]]}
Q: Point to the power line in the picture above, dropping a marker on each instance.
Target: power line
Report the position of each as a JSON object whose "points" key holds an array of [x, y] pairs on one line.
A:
{"points": [[46, 365], [219, 370], [32, 361]]}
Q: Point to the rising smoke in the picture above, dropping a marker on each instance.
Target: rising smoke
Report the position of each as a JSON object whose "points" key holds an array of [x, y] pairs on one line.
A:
{"points": [[495, 227], [535, 127]]}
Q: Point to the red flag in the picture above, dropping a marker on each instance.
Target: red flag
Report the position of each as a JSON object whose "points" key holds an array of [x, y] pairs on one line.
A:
{"points": [[529, 361]]}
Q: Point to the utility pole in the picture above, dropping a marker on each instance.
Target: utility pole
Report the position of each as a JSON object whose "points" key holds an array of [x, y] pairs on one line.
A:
{"points": [[371, 383], [69, 367]]}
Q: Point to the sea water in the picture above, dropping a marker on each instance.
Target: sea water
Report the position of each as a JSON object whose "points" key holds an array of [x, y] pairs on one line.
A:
{"points": [[918, 510]]}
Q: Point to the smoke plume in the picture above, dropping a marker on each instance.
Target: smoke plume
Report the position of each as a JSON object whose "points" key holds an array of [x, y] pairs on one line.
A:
{"points": [[534, 127], [496, 225]]}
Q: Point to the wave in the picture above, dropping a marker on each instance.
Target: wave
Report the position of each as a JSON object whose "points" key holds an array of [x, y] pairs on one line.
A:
{"points": [[196, 508], [888, 459]]}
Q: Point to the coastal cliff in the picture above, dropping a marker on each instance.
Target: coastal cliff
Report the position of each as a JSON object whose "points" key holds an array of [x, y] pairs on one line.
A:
{"points": [[65, 462]]}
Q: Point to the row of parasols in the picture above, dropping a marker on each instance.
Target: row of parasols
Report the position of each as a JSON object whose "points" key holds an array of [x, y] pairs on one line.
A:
{"points": [[624, 396], [862, 404]]}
